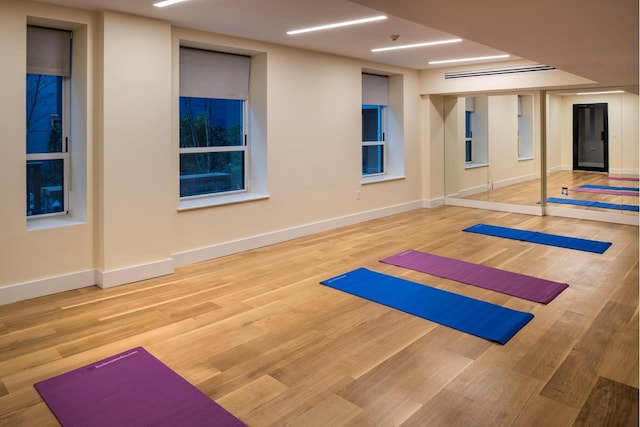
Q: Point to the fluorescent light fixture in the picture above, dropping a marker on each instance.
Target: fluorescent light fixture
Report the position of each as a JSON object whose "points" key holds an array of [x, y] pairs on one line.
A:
{"points": [[477, 58], [338, 24], [167, 3], [409, 46], [606, 92]]}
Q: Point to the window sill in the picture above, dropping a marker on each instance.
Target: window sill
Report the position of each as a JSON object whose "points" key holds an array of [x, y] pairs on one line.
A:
{"points": [[52, 222], [381, 178], [212, 201], [475, 165], [520, 159]]}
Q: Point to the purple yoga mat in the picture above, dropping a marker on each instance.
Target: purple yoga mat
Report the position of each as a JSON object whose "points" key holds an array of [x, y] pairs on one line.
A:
{"points": [[506, 282], [605, 191], [132, 388], [623, 178]]}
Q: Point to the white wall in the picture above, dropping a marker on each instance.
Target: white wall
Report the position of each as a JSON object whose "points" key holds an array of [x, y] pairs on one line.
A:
{"points": [[305, 123]]}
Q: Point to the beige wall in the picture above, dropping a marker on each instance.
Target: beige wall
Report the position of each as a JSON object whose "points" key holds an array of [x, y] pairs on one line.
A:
{"points": [[34, 254], [433, 82], [305, 122], [623, 130]]}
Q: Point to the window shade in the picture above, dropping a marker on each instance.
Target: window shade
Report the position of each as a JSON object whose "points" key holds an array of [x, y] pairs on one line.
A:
{"points": [[206, 74], [48, 51], [470, 104], [375, 89]]}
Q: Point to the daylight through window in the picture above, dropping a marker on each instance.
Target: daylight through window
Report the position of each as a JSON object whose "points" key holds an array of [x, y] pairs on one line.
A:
{"points": [[214, 90]]}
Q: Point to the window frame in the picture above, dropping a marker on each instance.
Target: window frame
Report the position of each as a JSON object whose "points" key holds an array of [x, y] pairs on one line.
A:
{"points": [[243, 148], [382, 119], [468, 137], [64, 153]]}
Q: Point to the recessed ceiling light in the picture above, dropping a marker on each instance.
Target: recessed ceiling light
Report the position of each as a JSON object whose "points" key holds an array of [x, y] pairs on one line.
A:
{"points": [[606, 92], [167, 3], [338, 24], [477, 58], [408, 46]]}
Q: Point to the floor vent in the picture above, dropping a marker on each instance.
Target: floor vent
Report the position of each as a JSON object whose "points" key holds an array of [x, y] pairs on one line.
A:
{"points": [[497, 71]]}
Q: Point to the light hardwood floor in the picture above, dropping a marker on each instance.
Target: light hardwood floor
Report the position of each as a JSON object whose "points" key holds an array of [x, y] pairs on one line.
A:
{"points": [[259, 334]]}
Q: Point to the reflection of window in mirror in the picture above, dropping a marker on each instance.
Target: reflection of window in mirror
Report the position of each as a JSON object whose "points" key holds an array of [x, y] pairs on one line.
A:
{"points": [[476, 131], [525, 127], [468, 128]]}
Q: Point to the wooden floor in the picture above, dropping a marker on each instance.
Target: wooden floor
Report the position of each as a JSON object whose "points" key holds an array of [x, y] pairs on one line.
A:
{"points": [[528, 192], [260, 335]]}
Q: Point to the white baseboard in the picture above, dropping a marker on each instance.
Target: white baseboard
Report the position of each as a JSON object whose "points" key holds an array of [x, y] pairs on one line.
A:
{"points": [[109, 279], [516, 180], [433, 203], [611, 217], [495, 206], [48, 286], [227, 248]]}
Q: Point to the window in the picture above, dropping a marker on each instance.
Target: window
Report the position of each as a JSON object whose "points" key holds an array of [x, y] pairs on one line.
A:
{"points": [[214, 89], [47, 121], [373, 139], [470, 106], [375, 99], [525, 127], [476, 119], [468, 137]]}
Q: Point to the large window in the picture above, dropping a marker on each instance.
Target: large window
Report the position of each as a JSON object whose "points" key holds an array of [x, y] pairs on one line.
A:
{"points": [[214, 90], [375, 100], [47, 120]]}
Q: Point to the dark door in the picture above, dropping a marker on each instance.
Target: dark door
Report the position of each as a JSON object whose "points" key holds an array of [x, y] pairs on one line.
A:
{"points": [[591, 137]]}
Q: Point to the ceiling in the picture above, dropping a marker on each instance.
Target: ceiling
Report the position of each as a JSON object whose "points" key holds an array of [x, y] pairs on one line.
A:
{"points": [[591, 38]]}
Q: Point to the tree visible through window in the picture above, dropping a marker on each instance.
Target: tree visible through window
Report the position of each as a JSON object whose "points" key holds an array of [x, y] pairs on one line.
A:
{"points": [[212, 149], [48, 74], [214, 89]]}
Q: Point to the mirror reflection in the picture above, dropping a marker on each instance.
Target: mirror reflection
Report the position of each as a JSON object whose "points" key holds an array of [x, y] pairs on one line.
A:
{"points": [[592, 152], [493, 153]]}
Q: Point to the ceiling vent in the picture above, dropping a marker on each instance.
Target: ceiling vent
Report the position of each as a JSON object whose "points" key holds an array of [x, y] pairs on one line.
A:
{"points": [[498, 71]]}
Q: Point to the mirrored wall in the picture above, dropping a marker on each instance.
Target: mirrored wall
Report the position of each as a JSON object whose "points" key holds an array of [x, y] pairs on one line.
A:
{"points": [[494, 158]]}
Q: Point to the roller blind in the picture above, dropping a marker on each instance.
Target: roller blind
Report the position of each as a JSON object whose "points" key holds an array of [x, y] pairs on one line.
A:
{"points": [[375, 89], [470, 104], [207, 74], [48, 51]]}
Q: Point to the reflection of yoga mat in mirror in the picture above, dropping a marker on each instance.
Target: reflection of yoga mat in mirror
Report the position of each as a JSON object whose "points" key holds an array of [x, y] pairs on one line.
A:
{"points": [[610, 187], [476, 317], [594, 204], [623, 178], [541, 238], [506, 282], [605, 191], [132, 388]]}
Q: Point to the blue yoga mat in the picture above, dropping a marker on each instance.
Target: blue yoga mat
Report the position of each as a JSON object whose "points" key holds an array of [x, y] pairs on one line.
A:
{"points": [[593, 204], [586, 245], [480, 318], [609, 187]]}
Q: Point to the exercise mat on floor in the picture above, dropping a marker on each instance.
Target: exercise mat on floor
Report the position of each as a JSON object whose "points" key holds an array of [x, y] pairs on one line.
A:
{"points": [[515, 284], [130, 388], [476, 317], [576, 243]]}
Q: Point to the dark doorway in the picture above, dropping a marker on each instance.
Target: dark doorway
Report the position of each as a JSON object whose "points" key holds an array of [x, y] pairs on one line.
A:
{"points": [[591, 137]]}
